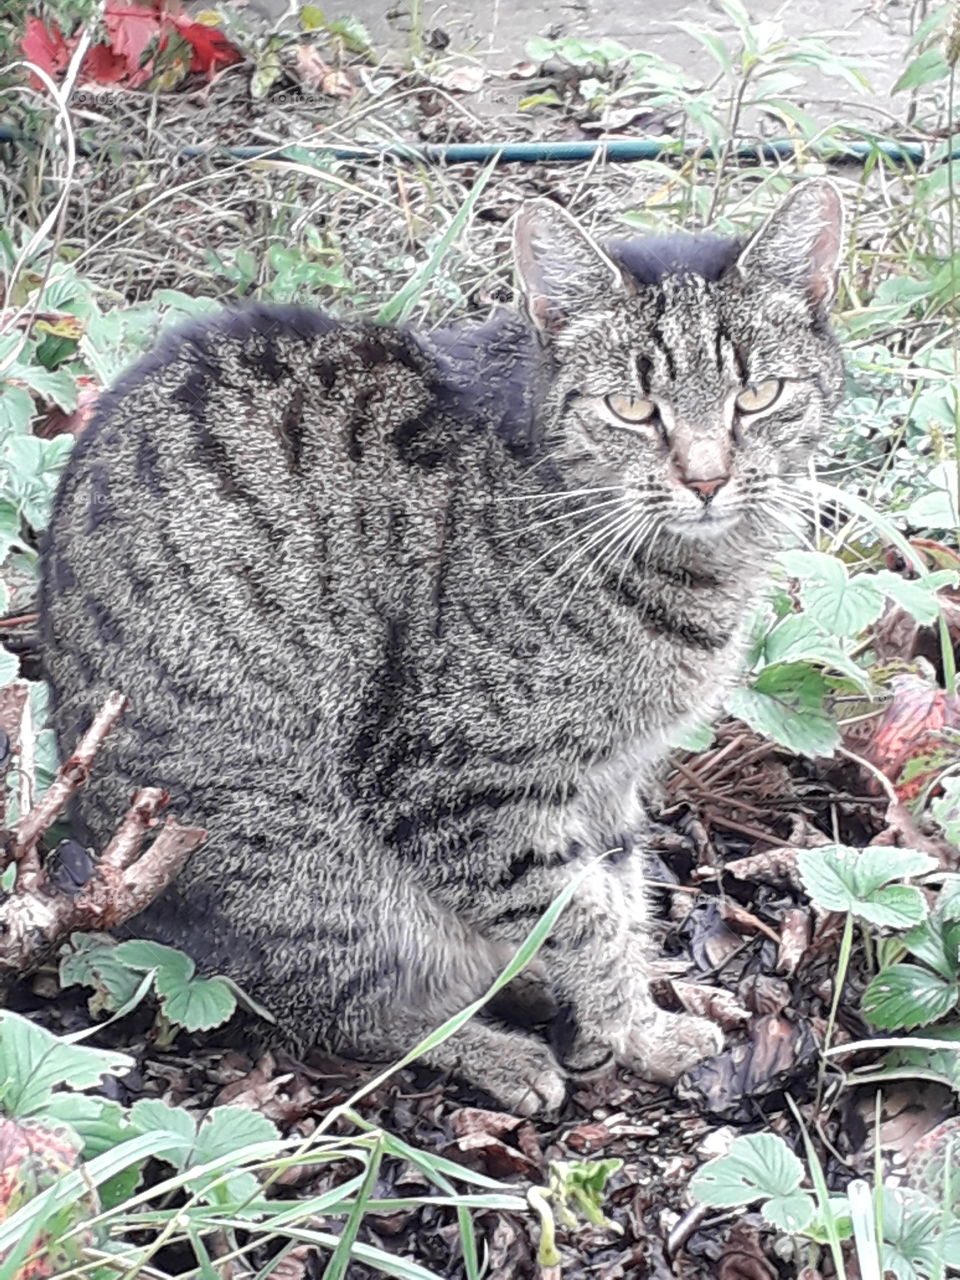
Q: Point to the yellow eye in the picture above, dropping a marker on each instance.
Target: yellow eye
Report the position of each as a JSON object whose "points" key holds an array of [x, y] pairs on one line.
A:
{"points": [[631, 408], [763, 396]]}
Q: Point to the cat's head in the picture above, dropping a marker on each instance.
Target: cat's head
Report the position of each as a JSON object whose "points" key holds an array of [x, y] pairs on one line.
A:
{"points": [[691, 379]]}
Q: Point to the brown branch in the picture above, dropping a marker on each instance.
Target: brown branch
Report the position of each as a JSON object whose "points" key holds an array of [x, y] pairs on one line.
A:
{"points": [[124, 881], [37, 915], [71, 776]]}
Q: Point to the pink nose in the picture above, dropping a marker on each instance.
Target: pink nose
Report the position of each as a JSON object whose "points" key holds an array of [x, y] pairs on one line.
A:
{"points": [[706, 488]]}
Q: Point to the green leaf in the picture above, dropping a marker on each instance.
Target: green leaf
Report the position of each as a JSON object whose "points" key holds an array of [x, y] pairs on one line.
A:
{"points": [[100, 1123], [937, 509], [352, 34], [911, 1233], [786, 704], [946, 809], [196, 1005], [711, 42], [33, 1062], [905, 995], [917, 595], [311, 18], [937, 943], [150, 1115], [839, 604], [90, 959], [798, 638], [9, 667], [224, 1131], [791, 1213], [142, 954], [51, 384], [756, 1167], [931, 65], [16, 411], [838, 878]]}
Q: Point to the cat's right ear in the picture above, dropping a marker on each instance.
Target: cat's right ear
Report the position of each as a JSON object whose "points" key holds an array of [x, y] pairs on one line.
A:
{"points": [[561, 270]]}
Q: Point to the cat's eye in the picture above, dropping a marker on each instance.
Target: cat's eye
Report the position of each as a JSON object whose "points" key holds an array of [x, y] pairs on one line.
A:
{"points": [[763, 396], [631, 408]]}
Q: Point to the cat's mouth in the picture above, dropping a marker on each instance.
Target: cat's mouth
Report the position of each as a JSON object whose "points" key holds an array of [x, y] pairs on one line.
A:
{"points": [[705, 525]]}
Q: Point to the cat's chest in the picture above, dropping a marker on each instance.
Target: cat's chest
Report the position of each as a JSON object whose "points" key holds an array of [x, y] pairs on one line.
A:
{"points": [[602, 676]]}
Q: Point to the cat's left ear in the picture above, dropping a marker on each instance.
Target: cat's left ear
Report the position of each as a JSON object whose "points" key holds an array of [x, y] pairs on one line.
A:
{"points": [[561, 270], [800, 243]]}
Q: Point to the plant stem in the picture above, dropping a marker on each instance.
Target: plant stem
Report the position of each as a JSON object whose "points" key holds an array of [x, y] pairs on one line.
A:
{"points": [[843, 963]]}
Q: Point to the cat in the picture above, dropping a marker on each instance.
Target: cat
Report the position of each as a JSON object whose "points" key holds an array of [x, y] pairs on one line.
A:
{"points": [[405, 619]]}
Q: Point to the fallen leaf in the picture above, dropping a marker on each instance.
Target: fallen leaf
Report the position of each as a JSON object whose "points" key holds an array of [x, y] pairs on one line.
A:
{"points": [[772, 866], [778, 1053], [313, 70], [745, 921], [45, 47], [467, 78], [794, 939], [715, 1003], [468, 1120], [587, 1138], [743, 1258], [486, 1154]]}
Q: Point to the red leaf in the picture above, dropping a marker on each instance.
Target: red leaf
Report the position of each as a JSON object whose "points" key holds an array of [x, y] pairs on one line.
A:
{"points": [[132, 28], [210, 45], [45, 47], [103, 66]]}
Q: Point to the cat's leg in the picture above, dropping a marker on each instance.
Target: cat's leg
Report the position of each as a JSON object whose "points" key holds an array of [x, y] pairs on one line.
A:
{"points": [[376, 972], [597, 964]]}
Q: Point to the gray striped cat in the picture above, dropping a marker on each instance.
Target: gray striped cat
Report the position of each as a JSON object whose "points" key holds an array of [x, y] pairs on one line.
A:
{"points": [[405, 619]]}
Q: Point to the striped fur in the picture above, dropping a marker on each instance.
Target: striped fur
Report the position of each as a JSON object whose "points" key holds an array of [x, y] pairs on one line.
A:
{"points": [[407, 685]]}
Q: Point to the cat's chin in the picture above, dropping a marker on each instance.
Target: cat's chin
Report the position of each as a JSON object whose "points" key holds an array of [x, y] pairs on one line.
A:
{"points": [[705, 528]]}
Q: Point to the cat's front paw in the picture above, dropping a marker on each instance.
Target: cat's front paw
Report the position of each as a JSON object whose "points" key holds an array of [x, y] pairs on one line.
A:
{"points": [[663, 1050]]}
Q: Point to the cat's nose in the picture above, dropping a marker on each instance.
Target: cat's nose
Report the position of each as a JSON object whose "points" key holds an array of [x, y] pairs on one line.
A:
{"points": [[705, 489]]}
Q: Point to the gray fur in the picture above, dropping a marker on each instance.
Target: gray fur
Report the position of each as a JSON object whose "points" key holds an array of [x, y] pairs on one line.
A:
{"points": [[407, 685]]}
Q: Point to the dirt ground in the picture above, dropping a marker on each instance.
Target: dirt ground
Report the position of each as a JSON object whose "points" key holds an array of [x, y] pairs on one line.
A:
{"points": [[874, 33]]}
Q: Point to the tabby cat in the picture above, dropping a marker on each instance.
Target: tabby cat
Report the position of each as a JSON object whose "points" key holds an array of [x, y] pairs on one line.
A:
{"points": [[405, 618]]}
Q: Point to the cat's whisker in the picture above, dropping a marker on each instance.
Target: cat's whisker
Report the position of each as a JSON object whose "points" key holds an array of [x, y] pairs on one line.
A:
{"points": [[591, 524], [511, 534], [607, 523], [616, 534], [650, 526], [543, 498], [771, 512]]}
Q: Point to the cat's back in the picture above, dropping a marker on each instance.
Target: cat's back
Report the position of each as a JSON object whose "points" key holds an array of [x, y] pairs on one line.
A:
{"points": [[225, 519]]}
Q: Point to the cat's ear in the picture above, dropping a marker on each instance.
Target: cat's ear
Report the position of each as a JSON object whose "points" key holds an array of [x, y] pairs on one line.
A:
{"points": [[800, 243], [560, 268]]}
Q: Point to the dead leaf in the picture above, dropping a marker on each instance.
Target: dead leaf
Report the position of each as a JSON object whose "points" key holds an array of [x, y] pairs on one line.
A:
{"points": [[587, 1138], [745, 921], [912, 738], [523, 70], [743, 1258], [794, 939], [715, 1003], [487, 1154], [311, 69], [469, 1120], [466, 78], [293, 1265], [763, 994], [778, 1051], [771, 866]]}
